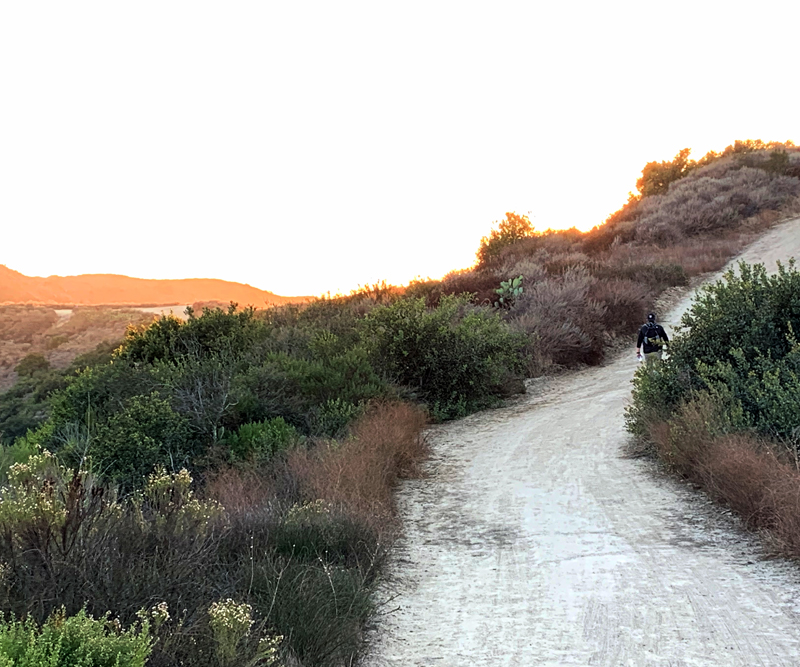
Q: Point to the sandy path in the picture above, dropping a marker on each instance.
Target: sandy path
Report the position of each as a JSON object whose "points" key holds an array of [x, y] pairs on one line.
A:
{"points": [[534, 542]]}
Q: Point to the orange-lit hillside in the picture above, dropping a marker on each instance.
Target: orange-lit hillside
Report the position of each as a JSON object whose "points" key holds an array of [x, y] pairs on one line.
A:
{"points": [[107, 289]]}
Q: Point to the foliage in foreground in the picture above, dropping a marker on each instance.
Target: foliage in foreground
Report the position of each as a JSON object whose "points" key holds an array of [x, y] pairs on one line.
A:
{"points": [[278, 559], [67, 641]]}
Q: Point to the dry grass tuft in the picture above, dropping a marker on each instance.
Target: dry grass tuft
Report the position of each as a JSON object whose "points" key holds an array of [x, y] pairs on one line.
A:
{"points": [[758, 479], [359, 474]]}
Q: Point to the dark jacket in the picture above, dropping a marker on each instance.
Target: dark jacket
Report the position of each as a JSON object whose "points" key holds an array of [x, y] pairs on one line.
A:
{"points": [[643, 337]]}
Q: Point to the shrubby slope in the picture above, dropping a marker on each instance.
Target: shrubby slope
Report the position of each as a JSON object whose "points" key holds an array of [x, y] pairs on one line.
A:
{"points": [[296, 422], [583, 291]]}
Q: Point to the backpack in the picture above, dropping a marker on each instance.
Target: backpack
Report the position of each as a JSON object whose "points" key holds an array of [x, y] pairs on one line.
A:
{"points": [[652, 336]]}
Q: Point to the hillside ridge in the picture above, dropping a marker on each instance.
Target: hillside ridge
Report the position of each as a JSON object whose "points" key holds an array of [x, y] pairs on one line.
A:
{"points": [[94, 289]]}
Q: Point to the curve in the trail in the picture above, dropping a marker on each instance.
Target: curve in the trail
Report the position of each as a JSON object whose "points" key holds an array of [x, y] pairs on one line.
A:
{"points": [[534, 541]]}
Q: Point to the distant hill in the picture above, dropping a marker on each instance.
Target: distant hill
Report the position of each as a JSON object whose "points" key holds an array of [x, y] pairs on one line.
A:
{"points": [[110, 289]]}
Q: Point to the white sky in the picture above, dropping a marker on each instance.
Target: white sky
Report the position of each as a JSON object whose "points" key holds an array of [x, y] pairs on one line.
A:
{"points": [[311, 146]]}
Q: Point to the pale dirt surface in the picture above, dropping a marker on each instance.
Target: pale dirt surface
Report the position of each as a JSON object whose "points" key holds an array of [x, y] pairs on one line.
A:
{"points": [[534, 541], [177, 311]]}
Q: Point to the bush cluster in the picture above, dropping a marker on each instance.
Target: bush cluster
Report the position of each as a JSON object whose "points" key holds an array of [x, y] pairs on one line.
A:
{"points": [[738, 347], [275, 560], [456, 357], [237, 384]]}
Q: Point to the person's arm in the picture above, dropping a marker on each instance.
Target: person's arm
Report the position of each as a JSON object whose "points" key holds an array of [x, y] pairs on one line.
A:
{"points": [[639, 342], [664, 334]]}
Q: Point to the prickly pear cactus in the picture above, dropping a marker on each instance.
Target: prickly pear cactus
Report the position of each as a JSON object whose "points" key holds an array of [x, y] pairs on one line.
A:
{"points": [[508, 292]]}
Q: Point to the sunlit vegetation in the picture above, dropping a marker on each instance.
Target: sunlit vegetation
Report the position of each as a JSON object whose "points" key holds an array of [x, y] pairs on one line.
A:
{"points": [[223, 486], [584, 291]]}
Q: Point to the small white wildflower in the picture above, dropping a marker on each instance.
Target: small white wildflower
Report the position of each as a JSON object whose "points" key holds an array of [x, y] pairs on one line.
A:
{"points": [[230, 622], [307, 511]]}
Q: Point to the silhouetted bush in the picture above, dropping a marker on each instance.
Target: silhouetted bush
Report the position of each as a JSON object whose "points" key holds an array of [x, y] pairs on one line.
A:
{"points": [[657, 176], [504, 233]]}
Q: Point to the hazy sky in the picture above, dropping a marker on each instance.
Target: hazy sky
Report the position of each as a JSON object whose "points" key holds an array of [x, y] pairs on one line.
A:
{"points": [[311, 146]]}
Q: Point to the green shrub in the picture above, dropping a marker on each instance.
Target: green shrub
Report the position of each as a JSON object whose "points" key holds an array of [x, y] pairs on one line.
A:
{"points": [[657, 391], [32, 364], [457, 357], [761, 394], [737, 345], [307, 392], [262, 439], [69, 641], [333, 416], [215, 332], [146, 433], [100, 391], [752, 311]]}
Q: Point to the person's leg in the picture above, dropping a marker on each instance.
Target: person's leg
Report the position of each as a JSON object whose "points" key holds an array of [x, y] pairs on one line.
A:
{"points": [[652, 358]]}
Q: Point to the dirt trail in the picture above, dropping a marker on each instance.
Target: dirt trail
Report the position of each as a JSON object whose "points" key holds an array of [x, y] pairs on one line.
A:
{"points": [[534, 542]]}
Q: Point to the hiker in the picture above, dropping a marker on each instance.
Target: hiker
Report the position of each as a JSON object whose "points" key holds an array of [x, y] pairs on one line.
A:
{"points": [[654, 338]]}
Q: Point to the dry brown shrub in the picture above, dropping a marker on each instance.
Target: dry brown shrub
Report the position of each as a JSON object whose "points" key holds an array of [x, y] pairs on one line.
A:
{"points": [[240, 490], [530, 268], [626, 303], [563, 317], [548, 242], [360, 473], [786, 497], [756, 478], [683, 443], [695, 256], [703, 256], [481, 284], [741, 473], [700, 204]]}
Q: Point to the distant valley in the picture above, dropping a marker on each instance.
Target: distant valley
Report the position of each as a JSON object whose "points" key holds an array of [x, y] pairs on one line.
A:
{"points": [[61, 318]]}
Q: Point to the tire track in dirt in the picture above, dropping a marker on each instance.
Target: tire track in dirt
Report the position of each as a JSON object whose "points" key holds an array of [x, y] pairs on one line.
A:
{"points": [[534, 541]]}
